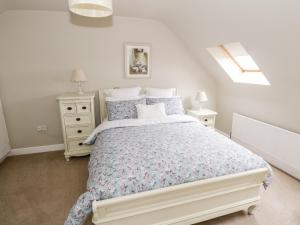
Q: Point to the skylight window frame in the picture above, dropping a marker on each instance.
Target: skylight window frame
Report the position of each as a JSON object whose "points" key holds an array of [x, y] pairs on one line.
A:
{"points": [[228, 54], [240, 70]]}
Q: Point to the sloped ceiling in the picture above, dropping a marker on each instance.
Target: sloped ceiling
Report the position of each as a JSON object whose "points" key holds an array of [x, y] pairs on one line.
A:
{"points": [[268, 29]]}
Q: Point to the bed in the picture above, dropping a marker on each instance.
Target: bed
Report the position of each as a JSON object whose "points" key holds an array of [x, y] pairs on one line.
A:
{"points": [[165, 171]]}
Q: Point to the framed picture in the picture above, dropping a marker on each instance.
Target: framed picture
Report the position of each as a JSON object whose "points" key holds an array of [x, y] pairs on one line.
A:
{"points": [[137, 60]]}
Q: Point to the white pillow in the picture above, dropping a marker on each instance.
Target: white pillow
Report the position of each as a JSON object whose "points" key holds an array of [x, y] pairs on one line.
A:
{"points": [[161, 92], [151, 111], [123, 92]]}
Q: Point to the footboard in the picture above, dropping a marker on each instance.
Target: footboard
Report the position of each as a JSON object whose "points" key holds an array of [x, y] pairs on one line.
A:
{"points": [[183, 204]]}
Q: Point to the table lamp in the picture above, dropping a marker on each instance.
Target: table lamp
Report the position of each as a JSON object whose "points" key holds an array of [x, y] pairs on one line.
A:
{"points": [[79, 77], [201, 97]]}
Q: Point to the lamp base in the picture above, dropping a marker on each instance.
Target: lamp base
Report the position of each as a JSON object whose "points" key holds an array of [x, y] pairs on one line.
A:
{"points": [[80, 91], [198, 107]]}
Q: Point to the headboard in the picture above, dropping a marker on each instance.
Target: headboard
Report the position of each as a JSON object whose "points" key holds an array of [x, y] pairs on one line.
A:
{"points": [[103, 112]]}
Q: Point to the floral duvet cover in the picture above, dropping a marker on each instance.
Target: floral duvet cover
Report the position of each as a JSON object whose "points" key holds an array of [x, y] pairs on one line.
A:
{"points": [[132, 156]]}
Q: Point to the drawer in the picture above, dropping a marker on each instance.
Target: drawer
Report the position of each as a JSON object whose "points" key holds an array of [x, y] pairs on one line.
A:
{"points": [[84, 107], [77, 120], [69, 108], [207, 119], [78, 131], [77, 145], [209, 125]]}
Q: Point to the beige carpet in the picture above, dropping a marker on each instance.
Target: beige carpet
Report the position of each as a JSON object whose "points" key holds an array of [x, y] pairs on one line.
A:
{"points": [[40, 189]]}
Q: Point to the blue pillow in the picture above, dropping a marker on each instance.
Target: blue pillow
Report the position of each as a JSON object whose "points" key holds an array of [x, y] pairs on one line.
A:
{"points": [[173, 105], [123, 109]]}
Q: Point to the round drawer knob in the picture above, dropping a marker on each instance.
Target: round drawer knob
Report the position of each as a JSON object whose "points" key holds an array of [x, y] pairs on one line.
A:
{"points": [[69, 108], [79, 131], [78, 119], [84, 107], [205, 120], [80, 144]]}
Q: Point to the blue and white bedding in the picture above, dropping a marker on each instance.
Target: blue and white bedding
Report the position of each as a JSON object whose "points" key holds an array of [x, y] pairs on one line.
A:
{"points": [[131, 156]]}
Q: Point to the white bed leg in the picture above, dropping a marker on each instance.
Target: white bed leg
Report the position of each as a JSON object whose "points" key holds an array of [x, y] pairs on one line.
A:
{"points": [[251, 209]]}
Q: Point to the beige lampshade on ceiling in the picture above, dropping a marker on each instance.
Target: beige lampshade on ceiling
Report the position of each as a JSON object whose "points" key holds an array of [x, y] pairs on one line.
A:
{"points": [[91, 8], [78, 76]]}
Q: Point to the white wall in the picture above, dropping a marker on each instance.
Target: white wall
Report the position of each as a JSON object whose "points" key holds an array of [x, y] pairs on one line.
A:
{"points": [[2, 6], [39, 49]]}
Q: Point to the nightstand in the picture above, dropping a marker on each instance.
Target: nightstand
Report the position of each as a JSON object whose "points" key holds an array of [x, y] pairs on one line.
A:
{"points": [[206, 117], [78, 121]]}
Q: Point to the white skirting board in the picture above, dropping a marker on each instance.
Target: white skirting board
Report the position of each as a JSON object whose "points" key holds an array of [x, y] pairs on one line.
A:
{"points": [[37, 149], [278, 146], [223, 133]]}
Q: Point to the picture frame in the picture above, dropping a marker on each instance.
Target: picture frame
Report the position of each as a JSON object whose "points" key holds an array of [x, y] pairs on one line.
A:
{"points": [[137, 60]]}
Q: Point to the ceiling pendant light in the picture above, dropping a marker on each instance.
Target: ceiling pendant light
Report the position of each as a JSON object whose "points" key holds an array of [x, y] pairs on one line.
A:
{"points": [[91, 8]]}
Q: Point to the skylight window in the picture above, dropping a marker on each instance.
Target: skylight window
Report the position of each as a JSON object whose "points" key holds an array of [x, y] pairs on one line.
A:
{"points": [[238, 64]]}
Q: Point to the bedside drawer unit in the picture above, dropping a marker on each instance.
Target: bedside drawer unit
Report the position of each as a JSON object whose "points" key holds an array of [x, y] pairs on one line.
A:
{"points": [[205, 116], [78, 131], [78, 122]]}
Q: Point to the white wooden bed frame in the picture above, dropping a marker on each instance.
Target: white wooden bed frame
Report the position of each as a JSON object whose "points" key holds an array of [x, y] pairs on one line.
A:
{"points": [[182, 204]]}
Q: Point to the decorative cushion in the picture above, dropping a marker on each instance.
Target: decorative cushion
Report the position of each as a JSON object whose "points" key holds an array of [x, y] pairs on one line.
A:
{"points": [[151, 111]]}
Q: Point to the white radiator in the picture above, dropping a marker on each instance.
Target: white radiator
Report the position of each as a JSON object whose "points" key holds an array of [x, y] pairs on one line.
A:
{"points": [[279, 147]]}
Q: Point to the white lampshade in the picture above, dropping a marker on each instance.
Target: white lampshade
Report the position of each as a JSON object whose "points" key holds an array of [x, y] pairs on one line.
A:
{"points": [[201, 96], [78, 76], [91, 8]]}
